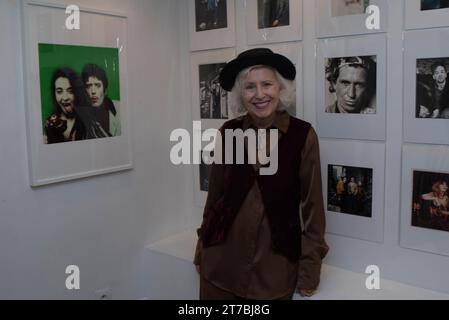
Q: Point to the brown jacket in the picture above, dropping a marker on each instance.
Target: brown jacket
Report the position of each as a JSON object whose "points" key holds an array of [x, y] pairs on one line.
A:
{"points": [[245, 264]]}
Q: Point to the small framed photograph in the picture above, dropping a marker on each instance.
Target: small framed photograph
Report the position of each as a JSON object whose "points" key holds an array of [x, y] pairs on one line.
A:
{"points": [[209, 100], [293, 51], [76, 94], [351, 76], [421, 14], [212, 24], [273, 21], [353, 182], [425, 199], [426, 87], [343, 17], [201, 174]]}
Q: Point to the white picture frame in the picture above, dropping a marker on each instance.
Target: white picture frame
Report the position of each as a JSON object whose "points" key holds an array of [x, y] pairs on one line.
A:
{"points": [[357, 154], [415, 18], [428, 159], [45, 22], [293, 51], [284, 33], [352, 126], [213, 38], [422, 44], [330, 25], [204, 58]]}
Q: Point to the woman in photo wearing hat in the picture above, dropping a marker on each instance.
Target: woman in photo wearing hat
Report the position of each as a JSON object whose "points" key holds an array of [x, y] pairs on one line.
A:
{"points": [[262, 236]]}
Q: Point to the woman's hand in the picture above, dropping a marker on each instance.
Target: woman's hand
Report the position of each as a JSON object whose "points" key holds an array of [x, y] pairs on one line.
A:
{"points": [[306, 292]]}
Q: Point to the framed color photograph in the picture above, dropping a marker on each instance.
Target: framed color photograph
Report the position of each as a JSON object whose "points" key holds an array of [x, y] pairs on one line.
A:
{"points": [[426, 87], [212, 24], [273, 21], [353, 188], [425, 199], [350, 87], [209, 101], [349, 17], [421, 14], [76, 94], [292, 51]]}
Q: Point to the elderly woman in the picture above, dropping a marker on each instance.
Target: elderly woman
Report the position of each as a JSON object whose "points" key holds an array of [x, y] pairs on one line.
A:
{"points": [[254, 242]]}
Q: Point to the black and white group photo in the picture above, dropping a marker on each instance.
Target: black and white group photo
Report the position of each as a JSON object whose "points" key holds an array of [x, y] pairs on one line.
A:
{"points": [[432, 88], [434, 4]]}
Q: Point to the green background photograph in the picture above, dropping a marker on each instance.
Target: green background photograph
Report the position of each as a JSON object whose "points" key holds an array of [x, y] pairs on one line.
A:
{"points": [[53, 57]]}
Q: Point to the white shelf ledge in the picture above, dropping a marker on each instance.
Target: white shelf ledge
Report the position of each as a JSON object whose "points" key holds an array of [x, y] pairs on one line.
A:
{"points": [[336, 283]]}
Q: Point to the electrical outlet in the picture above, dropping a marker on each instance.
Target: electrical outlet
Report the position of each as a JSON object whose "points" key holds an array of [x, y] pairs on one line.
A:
{"points": [[103, 294]]}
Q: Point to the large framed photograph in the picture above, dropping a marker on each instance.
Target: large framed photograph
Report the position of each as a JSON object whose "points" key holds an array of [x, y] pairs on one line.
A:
{"points": [[343, 17], [209, 101], [425, 200], [292, 51], [201, 180], [421, 14], [353, 187], [270, 21], [426, 87], [76, 94], [212, 24], [351, 77]]}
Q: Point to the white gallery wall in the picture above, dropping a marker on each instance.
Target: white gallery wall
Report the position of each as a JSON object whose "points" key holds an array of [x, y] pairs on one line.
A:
{"points": [[100, 224]]}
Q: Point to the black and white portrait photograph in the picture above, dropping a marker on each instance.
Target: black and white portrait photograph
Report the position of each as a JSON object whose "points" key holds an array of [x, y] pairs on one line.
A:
{"points": [[432, 88], [210, 14], [213, 99], [348, 7], [350, 190], [351, 84], [273, 13], [434, 4], [430, 207]]}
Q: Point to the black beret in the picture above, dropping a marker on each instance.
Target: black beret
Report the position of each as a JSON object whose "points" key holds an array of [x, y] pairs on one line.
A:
{"points": [[253, 57]]}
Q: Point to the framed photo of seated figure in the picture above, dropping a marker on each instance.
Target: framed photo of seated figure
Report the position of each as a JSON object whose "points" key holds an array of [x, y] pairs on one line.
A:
{"points": [[350, 17], [212, 24], [421, 14], [350, 97], [269, 21], [293, 51], [353, 176], [425, 200], [76, 93], [426, 87]]}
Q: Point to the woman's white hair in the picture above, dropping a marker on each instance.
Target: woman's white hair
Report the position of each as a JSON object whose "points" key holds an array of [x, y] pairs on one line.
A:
{"points": [[287, 95]]}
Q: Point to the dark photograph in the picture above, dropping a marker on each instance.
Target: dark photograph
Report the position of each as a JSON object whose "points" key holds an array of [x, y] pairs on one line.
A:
{"points": [[213, 99], [432, 88], [430, 200], [273, 13], [351, 84], [204, 175], [210, 15], [434, 4], [350, 190]]}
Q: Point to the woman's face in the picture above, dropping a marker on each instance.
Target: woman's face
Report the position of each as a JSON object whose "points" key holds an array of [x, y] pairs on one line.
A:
{"points": [[64, 95], [260, 93]]}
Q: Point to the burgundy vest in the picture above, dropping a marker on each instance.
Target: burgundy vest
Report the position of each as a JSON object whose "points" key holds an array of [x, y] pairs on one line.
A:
{"points": [[280, 194]]}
